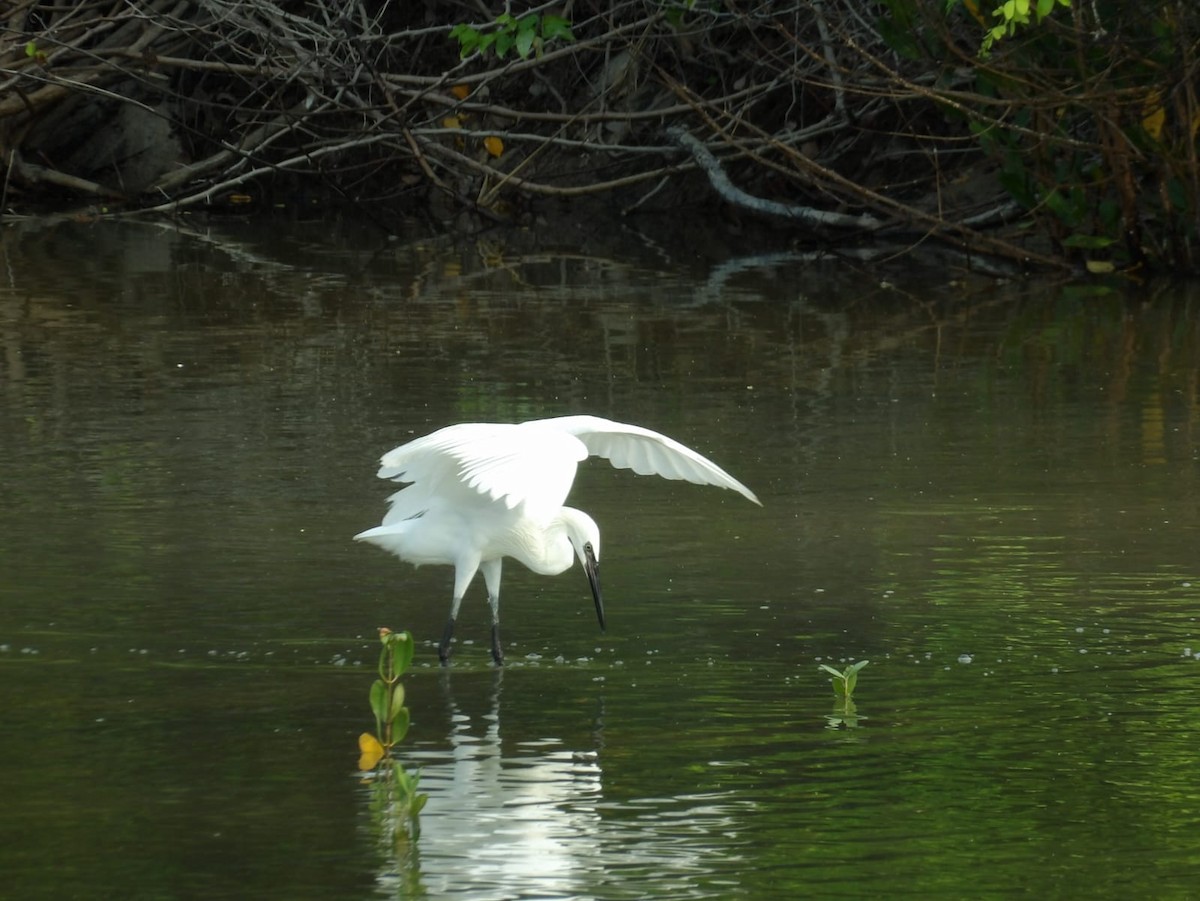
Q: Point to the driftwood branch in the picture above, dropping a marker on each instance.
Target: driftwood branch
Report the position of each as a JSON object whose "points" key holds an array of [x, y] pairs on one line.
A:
{"points": [[735, 195]]}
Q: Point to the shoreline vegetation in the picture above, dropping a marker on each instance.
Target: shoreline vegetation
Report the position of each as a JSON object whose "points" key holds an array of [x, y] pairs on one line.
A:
{"points": [[1052, 137]]}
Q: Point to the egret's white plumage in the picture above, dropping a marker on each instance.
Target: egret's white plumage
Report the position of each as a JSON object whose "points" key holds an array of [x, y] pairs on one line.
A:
{"points": [[479, 492]]}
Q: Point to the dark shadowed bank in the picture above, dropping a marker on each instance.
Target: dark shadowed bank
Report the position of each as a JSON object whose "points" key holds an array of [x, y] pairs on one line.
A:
{"points": [[1070, 145]]}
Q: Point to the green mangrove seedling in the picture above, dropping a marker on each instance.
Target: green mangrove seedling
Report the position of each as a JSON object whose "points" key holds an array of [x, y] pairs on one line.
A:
{"points": [[844, 680], [395, 787]]}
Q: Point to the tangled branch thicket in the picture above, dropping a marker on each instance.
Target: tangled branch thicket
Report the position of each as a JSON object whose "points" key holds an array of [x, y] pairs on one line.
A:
{"points": [[838, 117]]}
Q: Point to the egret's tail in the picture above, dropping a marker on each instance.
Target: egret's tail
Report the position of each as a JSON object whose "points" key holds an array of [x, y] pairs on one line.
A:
{"points": [[389, 537]]}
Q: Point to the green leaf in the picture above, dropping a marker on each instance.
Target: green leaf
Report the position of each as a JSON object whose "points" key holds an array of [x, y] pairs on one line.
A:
{"points": [[1110, 214], [400, 721], [1058, 204], [400, 647], [830, 669], [408, 647], [1088, 242], [1177, 193], [31, 50], [1017, 184], [899, 38], [385, 658], [397, 697], [525, 38], [379, 700], [468, 39], [1044, 7], [555, 27], [504, 42]]}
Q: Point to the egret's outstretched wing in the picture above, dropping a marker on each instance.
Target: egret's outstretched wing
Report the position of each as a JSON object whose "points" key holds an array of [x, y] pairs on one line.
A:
{"points": [[646, 452], [485, 462]]}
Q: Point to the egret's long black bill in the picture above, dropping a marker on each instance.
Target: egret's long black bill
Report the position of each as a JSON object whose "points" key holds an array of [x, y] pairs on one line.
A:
{"points": [[592, 568]]}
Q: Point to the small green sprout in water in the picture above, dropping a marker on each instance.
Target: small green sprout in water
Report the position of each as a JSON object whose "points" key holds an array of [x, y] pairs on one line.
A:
{"points": [[844, 711], [395, 788], [845, 680]]}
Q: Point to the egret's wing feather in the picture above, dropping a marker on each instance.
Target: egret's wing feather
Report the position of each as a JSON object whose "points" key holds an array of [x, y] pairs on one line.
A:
{"points": [[647, 452], [525, 465], [431, 455], [432, 471], [480, 463]]}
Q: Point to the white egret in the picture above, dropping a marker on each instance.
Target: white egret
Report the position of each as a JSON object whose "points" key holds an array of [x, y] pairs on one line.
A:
{"points": [[480, 492]]}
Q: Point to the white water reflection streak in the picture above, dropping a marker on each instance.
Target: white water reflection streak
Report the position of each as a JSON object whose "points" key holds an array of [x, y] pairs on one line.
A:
{"points": [[530, 820]]}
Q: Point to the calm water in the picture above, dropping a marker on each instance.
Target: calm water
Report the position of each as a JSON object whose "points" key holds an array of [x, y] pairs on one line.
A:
{"points": [[990, 492]]}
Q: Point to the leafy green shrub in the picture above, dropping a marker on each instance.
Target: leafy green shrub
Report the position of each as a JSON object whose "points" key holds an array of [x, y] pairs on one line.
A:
{"points": [[526, 35]]}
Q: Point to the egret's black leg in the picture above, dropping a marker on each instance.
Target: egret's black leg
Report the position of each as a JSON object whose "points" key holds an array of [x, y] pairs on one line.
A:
{"points": [[444, 647], [497, 654], [491, 575]]}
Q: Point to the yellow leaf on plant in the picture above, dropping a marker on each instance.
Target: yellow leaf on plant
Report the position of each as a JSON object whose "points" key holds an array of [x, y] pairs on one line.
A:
{"points": [[1100, 267], [1153, 114], [460, 91], [1153, 122], [973, 8], [372, 751], [493, 145], [452, 122]]}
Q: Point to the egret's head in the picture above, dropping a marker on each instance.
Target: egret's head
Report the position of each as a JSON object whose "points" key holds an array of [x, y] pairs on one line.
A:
{"points": [[585, 538]]}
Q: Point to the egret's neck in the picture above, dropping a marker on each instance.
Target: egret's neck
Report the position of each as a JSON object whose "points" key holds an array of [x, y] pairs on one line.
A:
{"points": [[549, 549]]}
